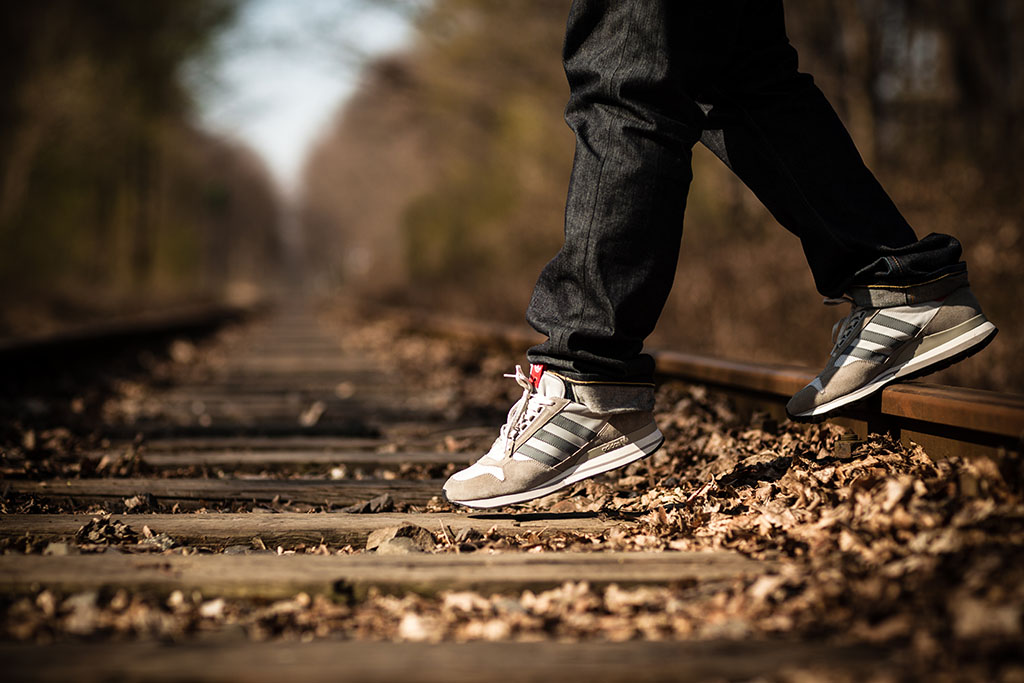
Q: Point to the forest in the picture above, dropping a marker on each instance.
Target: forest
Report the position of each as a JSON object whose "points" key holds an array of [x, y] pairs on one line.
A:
{"points": [[440, 182], [112, 199]]}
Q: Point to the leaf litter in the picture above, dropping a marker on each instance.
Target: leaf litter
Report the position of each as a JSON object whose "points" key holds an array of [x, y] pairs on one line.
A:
{"points": [[869, 541], [884, 545]]}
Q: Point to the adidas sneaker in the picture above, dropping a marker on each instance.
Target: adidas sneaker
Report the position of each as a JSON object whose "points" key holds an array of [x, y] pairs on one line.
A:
{"points": [[876, 346], [549, 442]]}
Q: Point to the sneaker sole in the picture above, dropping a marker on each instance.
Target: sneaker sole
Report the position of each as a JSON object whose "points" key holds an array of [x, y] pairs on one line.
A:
{"points": [[939, 358], [591, 467]]}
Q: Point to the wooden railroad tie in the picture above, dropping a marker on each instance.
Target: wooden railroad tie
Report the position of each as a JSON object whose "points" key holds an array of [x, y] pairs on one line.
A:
{"points": [[277, 576], [332, 661], [216, 530]]}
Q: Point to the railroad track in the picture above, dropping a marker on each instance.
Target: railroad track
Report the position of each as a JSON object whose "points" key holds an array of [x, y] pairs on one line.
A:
{"points": [[945, 420], [281, 486]]}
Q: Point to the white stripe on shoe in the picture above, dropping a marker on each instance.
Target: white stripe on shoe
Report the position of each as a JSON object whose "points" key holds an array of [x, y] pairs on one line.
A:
{"points": [[477, 470], [578, 424], [875, 347], [646, 442], [565, 434], [970, 338], [885, 331], [545, 436], [899, 317], [554, 451]]}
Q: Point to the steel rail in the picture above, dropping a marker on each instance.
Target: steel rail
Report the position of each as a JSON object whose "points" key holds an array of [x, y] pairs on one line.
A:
{"points": [[124, 329], [944, 420]]}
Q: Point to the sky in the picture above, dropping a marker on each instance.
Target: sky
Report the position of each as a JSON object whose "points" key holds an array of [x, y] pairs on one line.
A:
{"points": [[284, 68]]}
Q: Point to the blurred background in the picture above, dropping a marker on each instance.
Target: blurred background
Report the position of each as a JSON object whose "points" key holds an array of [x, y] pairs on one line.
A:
{"points": [[413, 152]]}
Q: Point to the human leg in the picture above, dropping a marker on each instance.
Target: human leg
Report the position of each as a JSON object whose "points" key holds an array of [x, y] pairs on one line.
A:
{"points": [[779, 134], [912, 311], [635, 126], [586, 406]]}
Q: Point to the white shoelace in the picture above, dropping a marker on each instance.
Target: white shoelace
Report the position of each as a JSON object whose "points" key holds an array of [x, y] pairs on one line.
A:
{"points": [[523, 412], [846, 326]]}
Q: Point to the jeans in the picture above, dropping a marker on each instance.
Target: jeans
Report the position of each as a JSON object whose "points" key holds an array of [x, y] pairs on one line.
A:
{"points": [[648, 80]]}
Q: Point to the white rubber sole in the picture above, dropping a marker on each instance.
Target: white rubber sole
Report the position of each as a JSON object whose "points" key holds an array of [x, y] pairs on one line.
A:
{"points": [[590, 467], [956, 346]]}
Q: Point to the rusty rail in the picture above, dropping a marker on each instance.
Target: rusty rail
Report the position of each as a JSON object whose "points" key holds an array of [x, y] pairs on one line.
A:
{"points": [[25, 361], [944, 420], [125, 329]]}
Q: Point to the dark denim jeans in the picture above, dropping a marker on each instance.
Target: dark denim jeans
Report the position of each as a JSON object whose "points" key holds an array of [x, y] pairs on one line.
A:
{"points": [[648, 80]]}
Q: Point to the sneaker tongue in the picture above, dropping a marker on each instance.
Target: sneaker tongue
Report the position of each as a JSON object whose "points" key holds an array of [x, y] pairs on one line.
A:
{"points": [[551, 385]]}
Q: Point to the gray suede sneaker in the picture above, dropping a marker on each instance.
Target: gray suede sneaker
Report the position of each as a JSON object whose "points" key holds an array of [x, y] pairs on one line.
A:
{"points": [[876, 346], [549, 442]]}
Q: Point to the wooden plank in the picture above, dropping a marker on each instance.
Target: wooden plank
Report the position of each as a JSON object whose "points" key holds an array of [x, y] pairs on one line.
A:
{"points": [[256, 395], [291, 378], [271, 576], [291, 399], [159, 413], [293, 353], [282, 408], [249, 442], [243, 365], [278, 384], [160, 429], [193, 492], [332, 661], [291, 529], [270, 459]]}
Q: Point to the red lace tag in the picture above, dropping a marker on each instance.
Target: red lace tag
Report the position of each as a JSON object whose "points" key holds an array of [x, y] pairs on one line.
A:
{"points": [[536, 371]]}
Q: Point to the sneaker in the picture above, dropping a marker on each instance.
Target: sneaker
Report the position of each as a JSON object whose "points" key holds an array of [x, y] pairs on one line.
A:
{"points": [[549, 442], [876, 346]]}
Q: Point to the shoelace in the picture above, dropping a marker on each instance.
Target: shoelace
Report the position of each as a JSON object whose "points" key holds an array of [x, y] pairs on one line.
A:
{"points": [[523, 412], [847, 325]]}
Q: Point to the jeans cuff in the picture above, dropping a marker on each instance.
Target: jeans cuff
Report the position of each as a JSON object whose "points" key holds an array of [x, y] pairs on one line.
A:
{"points": [[881, 296], [602, 397]]}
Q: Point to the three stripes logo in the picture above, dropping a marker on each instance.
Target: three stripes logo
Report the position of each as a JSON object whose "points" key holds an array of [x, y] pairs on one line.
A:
{"points": [[560, 438], [885, 332]]}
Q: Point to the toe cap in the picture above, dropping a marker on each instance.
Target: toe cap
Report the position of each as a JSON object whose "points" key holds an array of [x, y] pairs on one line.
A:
{"points": [[802, 401]]}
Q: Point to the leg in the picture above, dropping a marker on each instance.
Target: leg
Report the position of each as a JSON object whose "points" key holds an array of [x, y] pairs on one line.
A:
{"points": [[590, 411], [913, 312], [635, 127], [779, 134]]}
